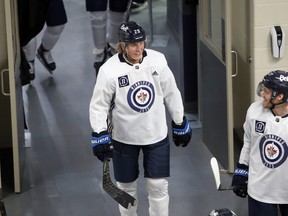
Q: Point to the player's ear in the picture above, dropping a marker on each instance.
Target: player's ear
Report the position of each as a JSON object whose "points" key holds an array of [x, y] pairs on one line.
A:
{"points": [[280, 96]]}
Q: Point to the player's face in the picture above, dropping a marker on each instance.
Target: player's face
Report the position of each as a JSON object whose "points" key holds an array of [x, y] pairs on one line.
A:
{"points": [[266, 95], [135, 50]]}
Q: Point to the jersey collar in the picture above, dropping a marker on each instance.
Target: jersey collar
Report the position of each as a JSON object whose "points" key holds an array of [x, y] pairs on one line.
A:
{"points": [[122, 59]]}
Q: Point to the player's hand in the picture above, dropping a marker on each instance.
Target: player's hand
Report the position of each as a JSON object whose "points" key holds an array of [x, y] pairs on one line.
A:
{"points": [[181, 133], [240, 180], [102, 146]]}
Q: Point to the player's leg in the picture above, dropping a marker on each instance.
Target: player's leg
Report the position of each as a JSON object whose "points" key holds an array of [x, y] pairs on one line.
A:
{"points": [[98, 19], [117, 9], [30, 52], [257, 208], [56, 20], [158, 196], [157, 169], [284, 209], [130, 188], [126, 171], [49, 40]]}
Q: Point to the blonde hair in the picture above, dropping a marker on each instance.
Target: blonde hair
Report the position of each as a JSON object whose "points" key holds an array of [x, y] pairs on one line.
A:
{"points": [[121, 47]]}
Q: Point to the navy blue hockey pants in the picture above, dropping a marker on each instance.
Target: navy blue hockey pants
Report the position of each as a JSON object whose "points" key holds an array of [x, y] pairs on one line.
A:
{"points": [[156, 160], [101, 5], [56, 13], [257, 208]]}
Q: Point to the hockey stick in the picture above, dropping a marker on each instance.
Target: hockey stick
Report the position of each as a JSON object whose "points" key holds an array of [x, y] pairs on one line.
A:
{"points": [[216, 173], [123, 198], [128, 11]]}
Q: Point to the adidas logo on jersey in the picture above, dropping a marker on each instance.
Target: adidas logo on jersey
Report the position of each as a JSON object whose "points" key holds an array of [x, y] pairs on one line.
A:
{"points": [[155, 73]]}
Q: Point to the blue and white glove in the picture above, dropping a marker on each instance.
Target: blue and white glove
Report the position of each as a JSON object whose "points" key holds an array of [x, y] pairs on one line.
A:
{"points": [[102, 146], [181, 133], [240, 180]]}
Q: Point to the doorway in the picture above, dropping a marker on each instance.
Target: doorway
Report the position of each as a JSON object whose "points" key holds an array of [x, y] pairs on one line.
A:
{"points": [[224, 69]]}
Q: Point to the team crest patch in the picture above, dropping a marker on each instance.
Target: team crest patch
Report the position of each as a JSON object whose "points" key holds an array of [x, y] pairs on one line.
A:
{"points": [[260, 126], [141, 96], [123, 81], [273, 150]]}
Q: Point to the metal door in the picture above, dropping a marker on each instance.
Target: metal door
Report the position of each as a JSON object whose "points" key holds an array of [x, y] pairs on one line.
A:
{"points": [[219, 72]]}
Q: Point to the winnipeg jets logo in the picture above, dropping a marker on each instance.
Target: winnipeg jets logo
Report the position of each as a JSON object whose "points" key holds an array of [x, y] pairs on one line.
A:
{"points": [[273, 150], [141, 96]]}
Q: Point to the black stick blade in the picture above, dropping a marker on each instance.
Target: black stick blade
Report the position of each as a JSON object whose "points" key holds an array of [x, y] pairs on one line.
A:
{"points": [[123, 198]]}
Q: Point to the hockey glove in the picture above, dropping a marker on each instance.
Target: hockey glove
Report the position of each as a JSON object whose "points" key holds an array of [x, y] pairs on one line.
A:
{"points": [[102, 146], [181, 133], [240, 180]]}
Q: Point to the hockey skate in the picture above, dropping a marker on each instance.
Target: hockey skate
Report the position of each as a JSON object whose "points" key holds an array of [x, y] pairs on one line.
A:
{"points": [[46, 59], [99, 60], [110, 51], [32, 69], [138, 6]]}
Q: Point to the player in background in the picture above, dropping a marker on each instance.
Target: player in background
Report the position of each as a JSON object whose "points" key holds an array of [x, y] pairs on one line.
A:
{"points": [[139, 85], [55, 23], [263, 164], [104, 24]]}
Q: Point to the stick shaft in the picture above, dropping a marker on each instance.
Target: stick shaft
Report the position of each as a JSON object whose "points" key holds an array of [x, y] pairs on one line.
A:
{"points": [[128, 11]]}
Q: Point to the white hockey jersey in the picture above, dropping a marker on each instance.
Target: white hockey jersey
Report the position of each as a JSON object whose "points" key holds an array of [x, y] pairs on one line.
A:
{"points": [[265, 151], [140, 92]]}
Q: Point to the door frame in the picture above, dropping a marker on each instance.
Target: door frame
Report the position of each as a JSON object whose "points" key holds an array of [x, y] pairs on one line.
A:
{"points": [[15, 88]]}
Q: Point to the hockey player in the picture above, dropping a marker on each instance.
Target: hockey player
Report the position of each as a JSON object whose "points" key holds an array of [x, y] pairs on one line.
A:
{"points": [[104, 25], [263, 160], [55, 23], [138, 83]]}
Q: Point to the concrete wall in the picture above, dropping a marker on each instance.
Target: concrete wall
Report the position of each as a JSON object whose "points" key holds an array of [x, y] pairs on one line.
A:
{"points": [[266, 14]]}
